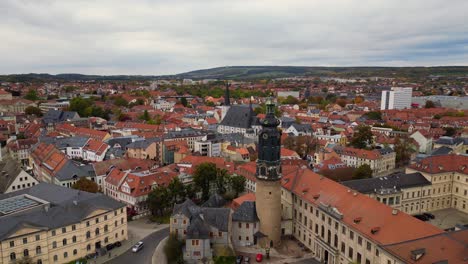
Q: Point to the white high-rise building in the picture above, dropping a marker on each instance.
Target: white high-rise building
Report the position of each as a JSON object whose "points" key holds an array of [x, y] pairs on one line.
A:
{"points": [[396, 98]]}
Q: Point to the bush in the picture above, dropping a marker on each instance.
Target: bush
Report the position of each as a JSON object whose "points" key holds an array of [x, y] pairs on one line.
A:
{"points": [[173, 250]]}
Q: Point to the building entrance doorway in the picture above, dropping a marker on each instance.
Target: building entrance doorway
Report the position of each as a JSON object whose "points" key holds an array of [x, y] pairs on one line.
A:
{"points": [[326, 257], [98, 245]]}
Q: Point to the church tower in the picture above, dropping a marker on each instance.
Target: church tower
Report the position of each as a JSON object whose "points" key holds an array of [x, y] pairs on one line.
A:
{"points": [[227, 101], [268, 174]]}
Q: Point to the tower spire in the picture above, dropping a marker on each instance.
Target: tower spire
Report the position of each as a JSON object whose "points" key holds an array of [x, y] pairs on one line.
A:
{"points": [[227, 100]]}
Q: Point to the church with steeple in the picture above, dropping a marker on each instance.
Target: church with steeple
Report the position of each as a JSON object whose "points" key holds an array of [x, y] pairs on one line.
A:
{"points": [[238, 118]]}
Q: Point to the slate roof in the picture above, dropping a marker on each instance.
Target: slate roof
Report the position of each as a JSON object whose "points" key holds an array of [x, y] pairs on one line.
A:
{"points": [[187, 208], [122, 141], [71, 170], [449, 141], [56, 116], [307, 128], [198, 229], [202, 218], [217, 217], [444, 150], [9, 170], [143, 144], [62, 143], [246, 212], [396, 181], [67, 206], [241, 116], [215, 200]]}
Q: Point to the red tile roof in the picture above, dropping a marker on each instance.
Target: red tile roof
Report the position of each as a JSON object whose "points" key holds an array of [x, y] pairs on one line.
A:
{"points": [[392, 228], [443, 163], [451, 247]]}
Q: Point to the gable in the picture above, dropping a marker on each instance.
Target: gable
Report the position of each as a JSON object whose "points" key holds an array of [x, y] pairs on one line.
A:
{"points": [[25, 229], [96, 212]]}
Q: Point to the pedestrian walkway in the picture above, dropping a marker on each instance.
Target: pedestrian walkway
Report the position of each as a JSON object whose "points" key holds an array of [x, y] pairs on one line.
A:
{"points": [[159, 257]]}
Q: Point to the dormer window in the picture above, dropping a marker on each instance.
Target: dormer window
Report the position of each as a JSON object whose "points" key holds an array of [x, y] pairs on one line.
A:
{"points": [[357, 220], [418, 253]]}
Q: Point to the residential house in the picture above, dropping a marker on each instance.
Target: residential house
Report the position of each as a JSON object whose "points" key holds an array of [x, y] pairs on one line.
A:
{"points": [[201, 228], [12, 177]]}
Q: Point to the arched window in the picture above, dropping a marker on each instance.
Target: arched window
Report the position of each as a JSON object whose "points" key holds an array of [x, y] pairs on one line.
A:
{"points": [[65, 254], [97, 231], [88, 234], [115, 223], [88, 247], [12, 256], [54, 244], [38, 250], [74, 239], [26, 252], [75, 252], [105, 228], [55, 257], [64, 241], [39, 261]]}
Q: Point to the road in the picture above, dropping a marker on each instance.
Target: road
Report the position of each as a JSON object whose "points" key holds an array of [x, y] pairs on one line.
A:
{"points": [[144, 256]]}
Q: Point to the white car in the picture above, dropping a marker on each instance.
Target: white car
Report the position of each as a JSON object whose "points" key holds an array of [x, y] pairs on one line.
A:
{"points": [[137, 247]]}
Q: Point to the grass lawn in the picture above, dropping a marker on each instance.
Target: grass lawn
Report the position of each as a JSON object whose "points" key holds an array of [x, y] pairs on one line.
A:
{"points": [[224, 259], [161, 219]]}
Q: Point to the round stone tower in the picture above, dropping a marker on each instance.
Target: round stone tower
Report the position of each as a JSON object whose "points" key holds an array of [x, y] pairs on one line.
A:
{"points": [[268, 174]]}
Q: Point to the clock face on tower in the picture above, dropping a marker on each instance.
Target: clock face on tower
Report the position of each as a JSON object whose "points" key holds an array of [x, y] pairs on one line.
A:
{"points": [[265, 136]]}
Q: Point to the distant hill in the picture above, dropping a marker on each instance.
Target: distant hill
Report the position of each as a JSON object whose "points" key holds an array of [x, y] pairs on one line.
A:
{"points": [[264, 72], [256, 72]]}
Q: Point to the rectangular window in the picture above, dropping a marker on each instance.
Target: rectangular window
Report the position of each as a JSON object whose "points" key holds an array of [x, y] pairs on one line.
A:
{"points": [[351, 235], [12, 243], [359, 240], [343, 247], [350, 252], [38, 237], [368, 246], [343, 230]]}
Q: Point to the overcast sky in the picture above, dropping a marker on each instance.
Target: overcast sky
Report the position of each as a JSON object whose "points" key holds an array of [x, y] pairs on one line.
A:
{"points": [[172, 36]]}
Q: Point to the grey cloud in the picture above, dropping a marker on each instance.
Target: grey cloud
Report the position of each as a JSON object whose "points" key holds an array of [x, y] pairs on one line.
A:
{"points": [[167, 36]]}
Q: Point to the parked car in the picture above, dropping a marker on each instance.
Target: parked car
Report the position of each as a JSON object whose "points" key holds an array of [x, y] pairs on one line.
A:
{"points": [[110, 247], [421, 217], [137, 247], [246, 260], [239, 259], [259, 257], [429, 215]]}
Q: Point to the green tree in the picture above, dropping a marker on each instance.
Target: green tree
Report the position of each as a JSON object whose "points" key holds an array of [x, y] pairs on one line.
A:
{"points": [[204, 174], [31, 95], [237, 184], [173, 250], [362, 172], [362, 137], [222, 179], [32, 110], [450, 131], [429, 104], [86, 185], [159, 200], [374, 115], [183, 101], [145, 116], [176, 190], [290, 100], [403, 151], [119, 101]]}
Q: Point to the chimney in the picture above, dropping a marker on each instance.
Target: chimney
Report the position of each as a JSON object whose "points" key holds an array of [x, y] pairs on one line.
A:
{"points": [[394, 212]]}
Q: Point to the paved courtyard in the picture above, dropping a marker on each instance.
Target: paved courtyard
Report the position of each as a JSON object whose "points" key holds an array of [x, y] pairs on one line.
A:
{"points": [[448, 218]]}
